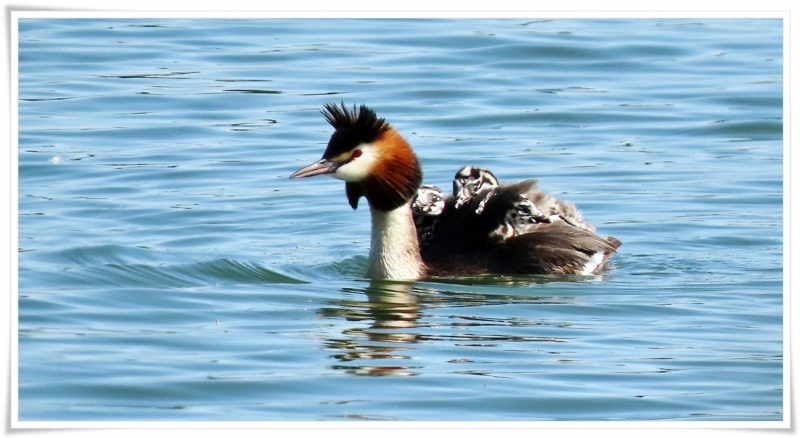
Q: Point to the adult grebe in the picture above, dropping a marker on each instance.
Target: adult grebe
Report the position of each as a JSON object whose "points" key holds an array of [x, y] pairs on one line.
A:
{"points": [[377, 163]]}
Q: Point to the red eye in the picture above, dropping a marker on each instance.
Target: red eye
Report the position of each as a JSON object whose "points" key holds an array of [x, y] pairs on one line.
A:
{"points": [[356, 153]]}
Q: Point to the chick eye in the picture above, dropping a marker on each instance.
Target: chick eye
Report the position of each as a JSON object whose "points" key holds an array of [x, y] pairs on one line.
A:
{"points": [[356, 153]]}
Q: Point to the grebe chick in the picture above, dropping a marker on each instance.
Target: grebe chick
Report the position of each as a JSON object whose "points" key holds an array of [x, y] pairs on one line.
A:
{"points": [[429, 201], [376, 163], [534, 207], [469, 181], [427, 208]]}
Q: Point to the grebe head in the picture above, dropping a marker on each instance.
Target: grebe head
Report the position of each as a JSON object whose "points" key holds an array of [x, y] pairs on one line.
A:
{"points": [[370, 156], [429, 201], [469, 181]]}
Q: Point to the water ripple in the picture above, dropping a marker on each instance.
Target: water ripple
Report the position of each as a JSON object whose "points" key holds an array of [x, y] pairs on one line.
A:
{"points": [[170, 270]]}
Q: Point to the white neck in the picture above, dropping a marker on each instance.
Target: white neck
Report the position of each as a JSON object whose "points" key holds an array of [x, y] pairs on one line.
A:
{"points": [[394, 250]]}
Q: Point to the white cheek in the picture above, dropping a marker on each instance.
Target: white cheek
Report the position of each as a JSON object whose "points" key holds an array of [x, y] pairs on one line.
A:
{"points": [[358, 169]]}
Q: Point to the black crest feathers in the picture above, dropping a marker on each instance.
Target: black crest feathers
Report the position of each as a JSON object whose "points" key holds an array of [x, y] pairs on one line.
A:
{"points": [[353, 127]]}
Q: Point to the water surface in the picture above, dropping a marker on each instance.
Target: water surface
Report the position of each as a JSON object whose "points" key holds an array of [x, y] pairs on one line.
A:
{"points": [[170, 270]]}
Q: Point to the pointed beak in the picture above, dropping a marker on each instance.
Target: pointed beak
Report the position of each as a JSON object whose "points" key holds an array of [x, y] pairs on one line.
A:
{"points": [[321, 167], [463, 196]]}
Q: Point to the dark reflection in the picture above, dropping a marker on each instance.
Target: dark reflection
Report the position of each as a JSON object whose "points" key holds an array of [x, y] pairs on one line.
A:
{"points": [[517, 280], [391, 322], [393, 310]]}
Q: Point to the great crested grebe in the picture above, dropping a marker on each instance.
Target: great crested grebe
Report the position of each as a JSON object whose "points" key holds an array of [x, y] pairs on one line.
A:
{"points": [[377, 163]]}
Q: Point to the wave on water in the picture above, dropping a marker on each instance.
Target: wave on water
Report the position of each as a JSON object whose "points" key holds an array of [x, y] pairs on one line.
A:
{"points": [[192, 274], [347, 268]]}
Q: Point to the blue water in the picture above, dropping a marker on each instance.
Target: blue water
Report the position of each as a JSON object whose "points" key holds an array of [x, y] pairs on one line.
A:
{"points": [[170, 270]]}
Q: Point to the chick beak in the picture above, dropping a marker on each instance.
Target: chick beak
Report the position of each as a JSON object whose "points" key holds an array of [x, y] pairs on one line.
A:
{"points": [[463, 196], [321, 167]]}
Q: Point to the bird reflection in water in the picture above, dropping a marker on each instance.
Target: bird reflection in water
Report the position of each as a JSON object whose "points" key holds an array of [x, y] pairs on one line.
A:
{"points": [[391, 323], [394, 311]]}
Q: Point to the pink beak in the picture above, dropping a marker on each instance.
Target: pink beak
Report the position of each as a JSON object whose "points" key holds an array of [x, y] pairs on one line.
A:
{"points": [[321, 167]]}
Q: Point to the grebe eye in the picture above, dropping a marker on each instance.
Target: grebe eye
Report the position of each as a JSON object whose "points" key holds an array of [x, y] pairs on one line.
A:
{"points": [[356, 153]]}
